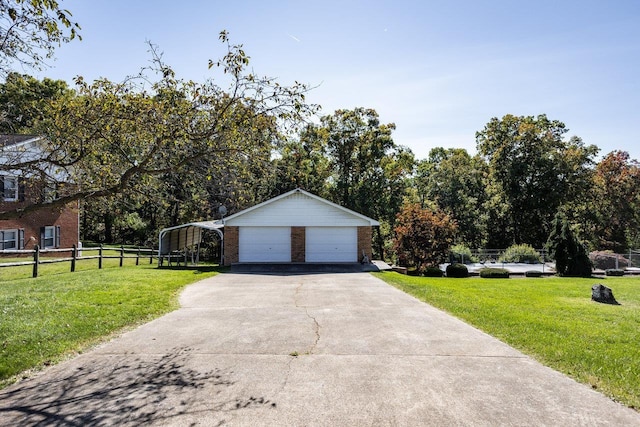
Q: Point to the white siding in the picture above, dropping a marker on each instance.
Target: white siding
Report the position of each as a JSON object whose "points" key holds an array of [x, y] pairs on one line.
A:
{"points": [[297, 210], [264, 244], [331, 244]]}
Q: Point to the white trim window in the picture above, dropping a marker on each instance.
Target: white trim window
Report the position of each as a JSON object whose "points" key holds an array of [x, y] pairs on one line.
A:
{"points": [[10, 188], [48, 237], [11, 239]]}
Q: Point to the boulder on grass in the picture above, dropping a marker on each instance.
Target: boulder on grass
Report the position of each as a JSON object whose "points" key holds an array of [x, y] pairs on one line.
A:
{"points": [[601, 293]]}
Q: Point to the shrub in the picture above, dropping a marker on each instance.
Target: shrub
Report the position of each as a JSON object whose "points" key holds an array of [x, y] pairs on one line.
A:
{"points": [[432, 272], [462, 254], [533, 273], [563, 246], [457, 270], [614, 272], [494, 273], [521, 253], [605, 260]]}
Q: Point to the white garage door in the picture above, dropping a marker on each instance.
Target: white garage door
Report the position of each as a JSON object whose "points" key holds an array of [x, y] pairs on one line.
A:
{"points": [[265, 244], [331, 244]]}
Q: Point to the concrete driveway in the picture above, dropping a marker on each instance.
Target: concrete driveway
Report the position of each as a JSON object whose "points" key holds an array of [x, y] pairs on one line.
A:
{"points": [[298, 350]]}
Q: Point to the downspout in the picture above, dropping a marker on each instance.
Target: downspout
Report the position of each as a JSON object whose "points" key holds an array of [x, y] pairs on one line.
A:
{"points": [[221, 244]]}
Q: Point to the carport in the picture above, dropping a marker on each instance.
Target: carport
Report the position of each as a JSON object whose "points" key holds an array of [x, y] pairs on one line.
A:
{"points": [[181, 240]]}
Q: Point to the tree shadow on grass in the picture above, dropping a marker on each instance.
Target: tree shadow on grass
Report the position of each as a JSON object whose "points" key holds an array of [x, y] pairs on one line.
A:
{"points": [[125, 392]]}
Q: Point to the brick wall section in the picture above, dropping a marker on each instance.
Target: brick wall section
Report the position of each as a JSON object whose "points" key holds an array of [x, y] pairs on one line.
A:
{"points": [[364, 241], [298, 236], [67, 218], [231, 245]]}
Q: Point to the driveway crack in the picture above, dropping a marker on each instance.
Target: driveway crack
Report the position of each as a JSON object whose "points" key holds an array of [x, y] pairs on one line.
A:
{"points": [[287, 374], [316, 325]]}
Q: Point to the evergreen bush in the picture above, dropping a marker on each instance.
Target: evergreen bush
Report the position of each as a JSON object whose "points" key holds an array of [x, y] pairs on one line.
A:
{"points": [[494, 273], [432, 272], [533, 273], [614, 272], [457, 270], [570, 255]]}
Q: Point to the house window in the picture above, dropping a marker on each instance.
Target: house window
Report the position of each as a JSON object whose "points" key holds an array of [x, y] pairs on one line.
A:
{"points": [[9, 188], [11, 239], [49, 237]]}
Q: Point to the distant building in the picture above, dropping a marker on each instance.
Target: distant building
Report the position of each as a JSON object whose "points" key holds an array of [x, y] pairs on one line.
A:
{"points": [[48, 227]]}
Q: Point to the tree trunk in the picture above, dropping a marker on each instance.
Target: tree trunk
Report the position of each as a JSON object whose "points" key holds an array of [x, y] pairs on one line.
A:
{"points": [[108, 228]]}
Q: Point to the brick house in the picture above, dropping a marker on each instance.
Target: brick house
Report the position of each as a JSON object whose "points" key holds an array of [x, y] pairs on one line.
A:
{"points": [[297, 227], [47, 227]]}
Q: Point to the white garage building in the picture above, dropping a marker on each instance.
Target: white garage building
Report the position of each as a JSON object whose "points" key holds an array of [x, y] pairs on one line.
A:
{"points": [[297, 227]]}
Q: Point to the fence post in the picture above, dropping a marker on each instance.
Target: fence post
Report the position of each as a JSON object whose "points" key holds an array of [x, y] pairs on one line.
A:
{"points": [[151, 255], [36, 260], [74, 254], [121, 254], [100, 257], [138, 256]]}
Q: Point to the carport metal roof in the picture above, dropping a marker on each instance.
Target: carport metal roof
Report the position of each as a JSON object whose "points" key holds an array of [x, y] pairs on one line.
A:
{"points": [[186, 235]]}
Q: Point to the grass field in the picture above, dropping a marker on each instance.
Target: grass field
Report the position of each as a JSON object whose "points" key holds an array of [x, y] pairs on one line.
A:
{"points": [[45, 319], [25, 271], [551, 319]]}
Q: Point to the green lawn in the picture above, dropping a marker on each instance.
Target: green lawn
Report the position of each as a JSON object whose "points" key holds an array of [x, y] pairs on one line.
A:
{"points": [[45, 269], [551, 319], [45, 319]]}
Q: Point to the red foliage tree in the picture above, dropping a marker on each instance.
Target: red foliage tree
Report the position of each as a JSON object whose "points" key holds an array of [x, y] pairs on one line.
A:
{"points": [[615, 202], [423, 236]]}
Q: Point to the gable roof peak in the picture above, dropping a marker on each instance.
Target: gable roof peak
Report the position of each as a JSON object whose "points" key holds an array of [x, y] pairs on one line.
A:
{"points": [[300, 191]]}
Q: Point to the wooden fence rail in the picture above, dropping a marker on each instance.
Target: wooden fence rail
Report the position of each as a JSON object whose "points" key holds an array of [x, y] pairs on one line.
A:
{"points": [[78, 254]]}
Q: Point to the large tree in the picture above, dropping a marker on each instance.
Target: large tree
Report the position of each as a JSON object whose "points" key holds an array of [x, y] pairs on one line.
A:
{"points": [[613, 209], [455, 182], [303, 163], [369, 170], [533, 171], [112, 135], [24, 99], [30, 30]]}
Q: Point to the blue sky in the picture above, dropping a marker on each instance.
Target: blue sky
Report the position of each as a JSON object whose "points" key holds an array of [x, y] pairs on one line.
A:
{"points": [[439, 70]]}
